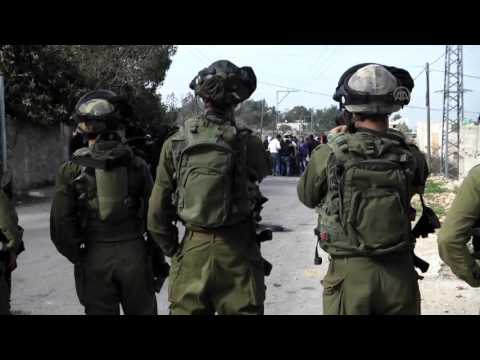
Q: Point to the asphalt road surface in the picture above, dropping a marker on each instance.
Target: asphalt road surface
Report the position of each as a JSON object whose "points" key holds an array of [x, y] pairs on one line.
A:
{"points": [[44, 284]]}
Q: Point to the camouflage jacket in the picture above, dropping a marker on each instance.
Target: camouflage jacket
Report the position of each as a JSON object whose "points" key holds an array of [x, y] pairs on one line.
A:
{"points": [[456, 229], [162, 213], [312, 187], [68, 227]]}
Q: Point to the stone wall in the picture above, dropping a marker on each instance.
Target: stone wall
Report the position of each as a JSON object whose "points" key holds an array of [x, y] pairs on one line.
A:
{"points": [[34, 153], [469, 148]]}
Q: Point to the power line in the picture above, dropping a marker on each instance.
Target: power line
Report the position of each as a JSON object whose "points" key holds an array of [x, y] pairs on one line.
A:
{"points": [[195, 54], [201, 54], [317, 60], [464, 75], [441, 56], [433, 62], [325, 64], [329, 95], [436, 109], [420, 73], [296, 89]]}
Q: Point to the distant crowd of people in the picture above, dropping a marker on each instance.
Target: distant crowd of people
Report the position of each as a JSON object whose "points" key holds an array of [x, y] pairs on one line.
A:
{"points": [[289, 155]]}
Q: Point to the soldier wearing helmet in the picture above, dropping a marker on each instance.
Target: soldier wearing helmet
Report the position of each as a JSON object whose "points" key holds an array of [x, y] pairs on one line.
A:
{"points": [[11, 243], [98, 215], [361, 183], [207, 178]]}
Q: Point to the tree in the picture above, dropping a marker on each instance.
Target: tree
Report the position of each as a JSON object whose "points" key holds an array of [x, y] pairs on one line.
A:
{"points": [[134, 71], [298, 113], [249, 113], [190, 106], [41, 86], [43, 82], [172, 110], [284, 128], [325, 119]]}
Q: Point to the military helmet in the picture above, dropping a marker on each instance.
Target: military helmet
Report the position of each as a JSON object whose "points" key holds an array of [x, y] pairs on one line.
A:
{"points": [[224, 84], [374, 89], [100, 109]]}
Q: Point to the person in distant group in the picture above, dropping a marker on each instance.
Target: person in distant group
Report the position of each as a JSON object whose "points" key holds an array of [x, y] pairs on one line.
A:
{"points": [[266, 142], [303, 153], [312, 144], [285, 156], [274, 148]]}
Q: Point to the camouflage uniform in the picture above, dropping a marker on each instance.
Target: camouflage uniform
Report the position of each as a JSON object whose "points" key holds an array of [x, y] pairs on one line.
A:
{"points": [[112, 267], [362, 285], [213, 271], [11, 241], [456, 230], [358, 284]]}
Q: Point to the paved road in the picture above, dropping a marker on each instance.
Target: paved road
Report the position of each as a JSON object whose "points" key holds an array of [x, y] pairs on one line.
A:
{"points": [[43, 283], [294, 285]]}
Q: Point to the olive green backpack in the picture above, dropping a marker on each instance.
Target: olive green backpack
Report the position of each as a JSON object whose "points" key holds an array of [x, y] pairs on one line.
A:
{"points": [[366, 210], [104, 180], [211, 174]]}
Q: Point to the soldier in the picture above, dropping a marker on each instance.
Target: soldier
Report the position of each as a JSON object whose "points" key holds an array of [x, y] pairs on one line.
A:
{"points": [[209, 168], [456, 232], [98, 215], [362, 182], [11, 244]]}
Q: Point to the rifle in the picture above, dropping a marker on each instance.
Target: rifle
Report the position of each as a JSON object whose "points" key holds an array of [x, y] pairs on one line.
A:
{"points": [[262, 232], [427, 224], [317, 260]]}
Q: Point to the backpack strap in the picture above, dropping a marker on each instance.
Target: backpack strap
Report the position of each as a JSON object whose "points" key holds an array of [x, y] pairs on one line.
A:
{"points": [[178, 144]]}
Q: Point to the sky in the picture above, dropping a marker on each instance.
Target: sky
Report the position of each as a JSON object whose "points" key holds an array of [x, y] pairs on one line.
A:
{"points": [[316, 69]]}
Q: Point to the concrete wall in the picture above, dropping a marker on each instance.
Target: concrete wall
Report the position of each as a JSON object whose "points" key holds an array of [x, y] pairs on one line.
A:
{"points": [[435, 137], [34, 153], [469, 148]]}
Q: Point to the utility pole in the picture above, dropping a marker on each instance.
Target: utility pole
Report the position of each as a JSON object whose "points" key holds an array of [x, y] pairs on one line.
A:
{"points": [[3, 124], [427, 103], [311, 119], [287, 92], [261, 120]]}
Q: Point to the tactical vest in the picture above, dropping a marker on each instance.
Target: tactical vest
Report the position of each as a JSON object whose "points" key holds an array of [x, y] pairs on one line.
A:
{"points": [[109, 190], [365, 212], [211, 174]]}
